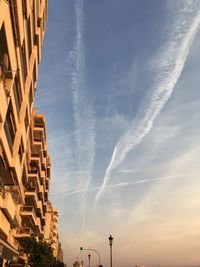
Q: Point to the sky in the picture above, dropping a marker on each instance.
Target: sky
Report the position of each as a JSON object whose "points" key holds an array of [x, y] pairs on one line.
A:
{"points": [[119, 84]]}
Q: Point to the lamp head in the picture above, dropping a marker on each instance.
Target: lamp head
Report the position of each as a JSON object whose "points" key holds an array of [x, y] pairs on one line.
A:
{"points": [[110, 238]]}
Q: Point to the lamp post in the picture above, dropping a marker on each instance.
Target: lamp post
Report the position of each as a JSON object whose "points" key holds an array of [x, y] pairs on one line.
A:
{"points": [[91, 249], [110, 238], [89, 256]]}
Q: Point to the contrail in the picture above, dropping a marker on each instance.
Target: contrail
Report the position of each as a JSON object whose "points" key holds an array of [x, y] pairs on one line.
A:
{"points": [[83, 111], [136, 182], [167, 66]]}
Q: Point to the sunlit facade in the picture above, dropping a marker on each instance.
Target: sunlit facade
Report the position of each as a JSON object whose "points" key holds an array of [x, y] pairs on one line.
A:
{"points": [[25, 166], [51, 231]]}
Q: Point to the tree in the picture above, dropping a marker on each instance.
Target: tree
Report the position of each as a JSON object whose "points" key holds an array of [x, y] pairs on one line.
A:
{"points": [[39, 253], [59, 264]]}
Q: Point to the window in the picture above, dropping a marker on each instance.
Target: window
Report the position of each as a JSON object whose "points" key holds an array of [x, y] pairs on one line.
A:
{"points": [[30, 95], [24, 8], [34, 75], [4, 55], [26, 120], [5, 174], [15, 27], [28, 34], [10, 126], [3, 160], [21, 151], [17, 94], [33, 21], [23, 61]]}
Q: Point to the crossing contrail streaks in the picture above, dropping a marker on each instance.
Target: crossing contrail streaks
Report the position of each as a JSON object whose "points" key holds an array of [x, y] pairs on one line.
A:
{"points": [[167, 67], [135, 182]]}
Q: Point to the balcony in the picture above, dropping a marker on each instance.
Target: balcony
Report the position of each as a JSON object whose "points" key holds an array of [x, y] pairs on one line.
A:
{"points": [[38, 226], [41, 193], [24, 232], [5, 224], [43, 222], [8, 206], [17, 218], [46, 195], [38, 138], [28, 215], [39, 208], [31, 195], [36, 152], [5, 175], [48, 172], [39, 122], [44, 207], [33, 177]]}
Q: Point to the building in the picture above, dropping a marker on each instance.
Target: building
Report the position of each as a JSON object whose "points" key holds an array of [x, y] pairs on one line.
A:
{"points": [[51, 231], [78, 264], [60, 252], [25, 166]]}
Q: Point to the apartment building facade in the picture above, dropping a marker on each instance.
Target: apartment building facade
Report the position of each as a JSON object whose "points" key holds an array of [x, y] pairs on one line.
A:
{"points": [[51, 230], [25, 166]]}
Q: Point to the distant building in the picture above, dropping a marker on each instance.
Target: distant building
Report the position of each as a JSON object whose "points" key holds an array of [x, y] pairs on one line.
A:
{"points": [[60, 252], [25, 166], [78, 264]]}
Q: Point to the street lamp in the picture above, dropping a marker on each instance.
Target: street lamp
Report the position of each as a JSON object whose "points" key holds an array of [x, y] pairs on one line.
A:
{"points": [[89, 256], [91, 249], [110, 238]]}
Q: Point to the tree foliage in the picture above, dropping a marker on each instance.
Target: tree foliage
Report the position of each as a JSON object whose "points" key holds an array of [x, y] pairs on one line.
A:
{"points": [[39, 253]]}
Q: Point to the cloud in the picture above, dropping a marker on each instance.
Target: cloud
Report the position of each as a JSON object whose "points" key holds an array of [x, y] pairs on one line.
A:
{"points": [[135, 182], [167, 67], [83, 110]]}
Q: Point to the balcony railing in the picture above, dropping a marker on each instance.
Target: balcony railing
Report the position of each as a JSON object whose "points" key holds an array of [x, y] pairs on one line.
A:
{"points": [[9, 206], [32, 192], [25, 231], [39, 125], [28, 210]]}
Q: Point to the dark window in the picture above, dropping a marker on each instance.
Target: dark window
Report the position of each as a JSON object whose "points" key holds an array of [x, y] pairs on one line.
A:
{"points": [[37, 8], [30, 95], [17, 94], [21, 151], [3, 159], [34, 75], [43, 21], [4, 55], [26, 120], [13, 13], [23, 61], [28, 33], [10, 126], [24, 8], [33, 21]]}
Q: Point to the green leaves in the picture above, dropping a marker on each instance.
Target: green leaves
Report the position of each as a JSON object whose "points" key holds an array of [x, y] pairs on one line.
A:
{"points": [[39, 253]]}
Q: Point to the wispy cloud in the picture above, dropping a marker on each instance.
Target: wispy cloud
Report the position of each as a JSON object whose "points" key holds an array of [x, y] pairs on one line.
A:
{"points": [[83, 110], [135, 182], [167, 67]]}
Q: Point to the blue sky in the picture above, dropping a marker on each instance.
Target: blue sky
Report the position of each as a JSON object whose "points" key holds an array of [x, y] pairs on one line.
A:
{"points": [[119, 84]]}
